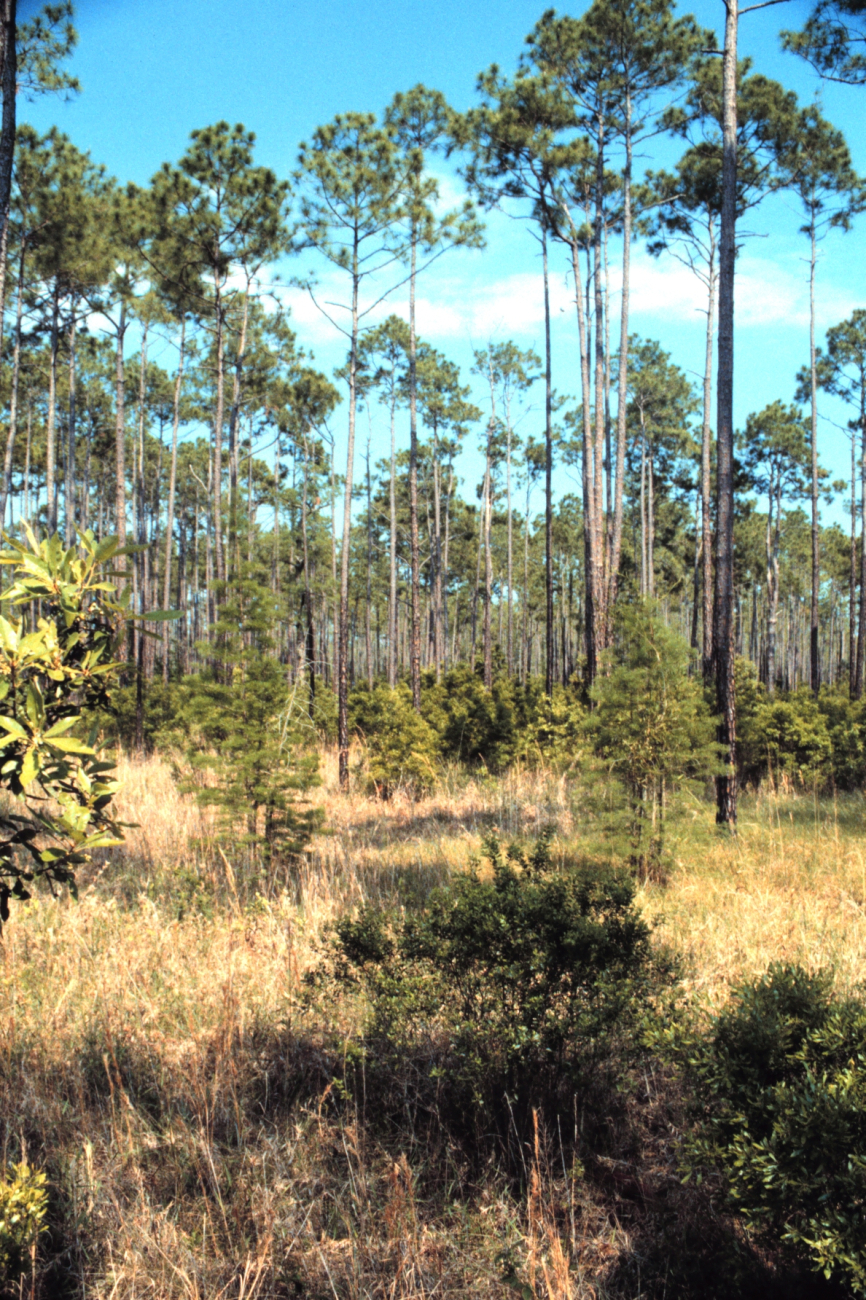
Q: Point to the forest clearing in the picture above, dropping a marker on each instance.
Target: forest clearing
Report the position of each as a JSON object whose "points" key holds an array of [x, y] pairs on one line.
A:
{"points": [[432, 651], [157, 1062]]}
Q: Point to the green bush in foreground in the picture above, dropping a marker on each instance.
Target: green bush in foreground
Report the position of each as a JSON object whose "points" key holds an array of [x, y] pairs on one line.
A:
{"points": [[518, 979], [23, 1205], [781, 1080]]}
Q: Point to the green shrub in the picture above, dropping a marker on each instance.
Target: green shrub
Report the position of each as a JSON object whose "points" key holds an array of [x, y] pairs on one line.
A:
{"points": [[512, 986], [846, 725], [402, 748], [23, 1205], [553, 729], [476, 726], [794, 737], [781, 1079], [651, 725]]}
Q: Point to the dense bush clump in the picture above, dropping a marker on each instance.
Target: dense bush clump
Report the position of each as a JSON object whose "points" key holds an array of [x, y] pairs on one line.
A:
{"points": [[402, 747], [23, 1206], [514, 982], [781, 1081]]}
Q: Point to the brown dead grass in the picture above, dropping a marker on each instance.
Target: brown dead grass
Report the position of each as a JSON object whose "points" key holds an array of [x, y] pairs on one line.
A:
{"points": [[149, 1053]]}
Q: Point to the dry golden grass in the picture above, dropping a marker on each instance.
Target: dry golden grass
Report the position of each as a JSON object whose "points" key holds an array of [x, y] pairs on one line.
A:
{"points": [[145, 1044]]}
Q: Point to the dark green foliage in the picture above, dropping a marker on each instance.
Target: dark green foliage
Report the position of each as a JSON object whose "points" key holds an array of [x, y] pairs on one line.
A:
{"points": [[651, 725], [247, 730], [515, 982], [794, 736], [56, 664], [781, 1079], [477, 727], [402, 747]]}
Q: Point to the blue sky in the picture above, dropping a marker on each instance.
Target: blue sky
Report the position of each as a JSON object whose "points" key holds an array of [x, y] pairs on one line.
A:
{"points": [[152, 70]]}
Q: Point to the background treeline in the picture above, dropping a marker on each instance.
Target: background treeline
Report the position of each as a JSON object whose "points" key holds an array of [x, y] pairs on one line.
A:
{"points": [[152, 386]]}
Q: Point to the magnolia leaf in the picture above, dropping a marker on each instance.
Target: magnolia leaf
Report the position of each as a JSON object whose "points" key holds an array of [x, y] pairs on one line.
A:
{"points": [[29, 768], [9, 724]]}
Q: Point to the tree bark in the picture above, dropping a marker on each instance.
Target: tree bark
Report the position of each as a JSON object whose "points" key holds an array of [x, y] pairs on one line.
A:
{"points": [[13, 395], [548, 478], [814, 632], [8, 88], [414, 545], [706, 478], [169, 515], [622, 378], [343, 635], [723, 621]]}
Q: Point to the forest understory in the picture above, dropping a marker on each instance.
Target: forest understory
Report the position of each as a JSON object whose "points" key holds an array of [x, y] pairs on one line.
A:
{"points": [[159, 1060]]}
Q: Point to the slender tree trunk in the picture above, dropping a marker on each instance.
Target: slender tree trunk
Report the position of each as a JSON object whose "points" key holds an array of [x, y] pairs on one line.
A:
{"points": [[861, 626], [852, 576], [343, 642], [509, 631], [69, 487], [597, 574], [368, 629], [50, 426], [706, 456], [622, 378], [414, 544], [393, 647], [723, 624], [814, 651], [643, 517], [587, 458], [308, 594], [218, 432], [120, 440], [8, 88], [172, 486], [548, 478], [234, 419], [651, 524], [13, 396], [772, 590], [488, 561]]}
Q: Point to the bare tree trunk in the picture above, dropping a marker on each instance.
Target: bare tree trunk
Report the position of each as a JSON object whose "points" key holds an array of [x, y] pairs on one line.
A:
{"points": [[814, 650], [218, 432], [414, 544], [723, 626], [69, 487], [368, 628], [50, 425], [13, 395], [234, 419], [393, 647], [622, 378], [343, 643], [548, 477], [172, 485], [488, 561], [706, 448], [8, 89], [852, 576], [861, 625]]}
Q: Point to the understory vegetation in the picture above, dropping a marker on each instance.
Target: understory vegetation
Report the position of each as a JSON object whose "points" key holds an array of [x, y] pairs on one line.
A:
{"points": [[457, 1047]]}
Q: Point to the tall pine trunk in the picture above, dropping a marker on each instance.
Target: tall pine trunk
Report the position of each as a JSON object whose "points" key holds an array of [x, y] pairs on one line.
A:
{"points": [[414, 544], [622, 378], [172, 485], [723, 620], [706, 477], [13, 395], [814, 633], [343, 630], [548, 479]]}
